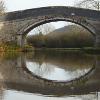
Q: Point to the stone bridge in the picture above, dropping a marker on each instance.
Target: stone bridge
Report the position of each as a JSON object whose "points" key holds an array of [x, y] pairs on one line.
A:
{"points": [[25, 20]]}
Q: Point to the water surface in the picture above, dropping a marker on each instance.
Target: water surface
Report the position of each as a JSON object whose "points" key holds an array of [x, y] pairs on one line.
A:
{"points": [[47, 75]]}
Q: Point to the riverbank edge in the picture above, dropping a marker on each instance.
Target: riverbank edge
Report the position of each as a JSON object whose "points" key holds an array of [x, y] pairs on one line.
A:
{"points": [[85, 50], [30, 49]]}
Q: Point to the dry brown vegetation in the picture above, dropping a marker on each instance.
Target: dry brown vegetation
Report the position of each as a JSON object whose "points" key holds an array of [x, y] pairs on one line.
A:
{"points": [[71, 36]]}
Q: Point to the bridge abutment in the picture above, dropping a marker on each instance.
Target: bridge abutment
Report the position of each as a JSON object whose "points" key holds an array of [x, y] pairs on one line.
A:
{"points": [[21, 41], [97, 41]]}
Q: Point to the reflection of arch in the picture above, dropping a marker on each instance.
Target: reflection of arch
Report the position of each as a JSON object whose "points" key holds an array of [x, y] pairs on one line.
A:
{"points": [[73, 82], [62, 83], [46, 87], [26, 82]]}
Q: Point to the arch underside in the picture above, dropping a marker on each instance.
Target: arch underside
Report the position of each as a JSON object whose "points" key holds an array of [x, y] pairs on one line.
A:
{"points": [[29, 26], [50, 88], [83, 77]]}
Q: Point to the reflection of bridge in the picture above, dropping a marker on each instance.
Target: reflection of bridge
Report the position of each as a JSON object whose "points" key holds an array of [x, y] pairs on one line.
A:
{"points": [[24, 21], [19, 79]]}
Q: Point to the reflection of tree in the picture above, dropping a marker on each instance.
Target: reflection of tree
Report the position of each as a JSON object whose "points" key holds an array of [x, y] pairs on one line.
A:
{"points": [[66, 60], [77, 73], [80, 72], [41, 69], [1, 91], [44, 69]]}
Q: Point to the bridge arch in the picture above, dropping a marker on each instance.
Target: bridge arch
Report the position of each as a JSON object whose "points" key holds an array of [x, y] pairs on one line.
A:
{"points": [[25, 20], [29, 26], [67, 14]]}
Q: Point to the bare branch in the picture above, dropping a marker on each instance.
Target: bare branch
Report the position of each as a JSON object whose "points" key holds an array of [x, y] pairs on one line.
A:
{"points": [[44, 29], [2, 6], [90, 4]]}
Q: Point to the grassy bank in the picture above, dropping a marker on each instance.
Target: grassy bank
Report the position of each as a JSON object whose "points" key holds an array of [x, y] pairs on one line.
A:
{"points": [[59, 49], [15, 48], [8, 48], [27, 48], [86, 50], [91, 50]]}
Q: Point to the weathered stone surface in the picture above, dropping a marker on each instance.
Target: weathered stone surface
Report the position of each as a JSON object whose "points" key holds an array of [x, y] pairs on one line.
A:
{"points": [[21, 22]]}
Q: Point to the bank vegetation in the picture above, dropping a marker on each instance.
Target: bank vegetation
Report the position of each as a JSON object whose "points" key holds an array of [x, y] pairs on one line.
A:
{"points": [[71, 36]]}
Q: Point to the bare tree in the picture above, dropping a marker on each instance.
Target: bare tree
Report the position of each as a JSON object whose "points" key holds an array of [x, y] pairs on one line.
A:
{"points": [[90, 4], [2, 6], [44, 29]]}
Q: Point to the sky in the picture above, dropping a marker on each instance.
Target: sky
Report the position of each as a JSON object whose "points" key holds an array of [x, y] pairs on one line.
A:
{"points": [[14, 5]]}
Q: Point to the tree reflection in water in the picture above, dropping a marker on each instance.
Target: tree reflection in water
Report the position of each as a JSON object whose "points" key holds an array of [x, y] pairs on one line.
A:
{"points": [[53, 72]]}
